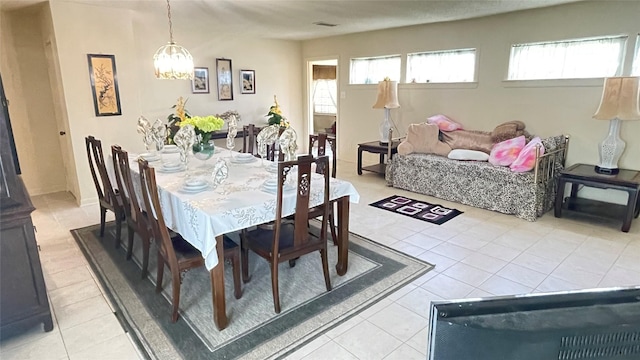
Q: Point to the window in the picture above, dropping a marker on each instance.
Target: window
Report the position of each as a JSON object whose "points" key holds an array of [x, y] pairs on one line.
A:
{"points": [[374, 69], [442, 66], [324, 96], [569, 59], [635, 70]]}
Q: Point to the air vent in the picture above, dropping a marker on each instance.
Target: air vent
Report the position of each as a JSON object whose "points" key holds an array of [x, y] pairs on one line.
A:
{"points": [[321, 23], [625, 345]]}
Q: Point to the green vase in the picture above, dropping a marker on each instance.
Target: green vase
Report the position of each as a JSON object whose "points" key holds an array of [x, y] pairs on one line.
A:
{"points": [[203, 151]]}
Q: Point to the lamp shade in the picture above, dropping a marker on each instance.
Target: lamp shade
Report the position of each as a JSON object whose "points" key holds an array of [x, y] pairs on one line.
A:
{"points": [[620, 99], [172, 61], [387, 95]]}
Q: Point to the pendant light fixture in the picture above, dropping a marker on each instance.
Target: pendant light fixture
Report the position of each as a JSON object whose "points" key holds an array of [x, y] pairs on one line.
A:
{"points": [[172, 61]]}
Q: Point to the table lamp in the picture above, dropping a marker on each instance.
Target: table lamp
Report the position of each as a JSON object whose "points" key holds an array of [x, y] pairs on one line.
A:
{"points": [[387, 100], [620, 98]]}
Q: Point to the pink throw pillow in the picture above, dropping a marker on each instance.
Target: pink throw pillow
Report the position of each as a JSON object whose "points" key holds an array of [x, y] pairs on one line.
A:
{"points": [[527, 158], [506, 152], [444, 123]]}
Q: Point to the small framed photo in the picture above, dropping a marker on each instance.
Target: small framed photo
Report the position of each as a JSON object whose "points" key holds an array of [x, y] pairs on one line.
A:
{"points": [[247, 81], [225, 84], [200, 82], [104, 84]]}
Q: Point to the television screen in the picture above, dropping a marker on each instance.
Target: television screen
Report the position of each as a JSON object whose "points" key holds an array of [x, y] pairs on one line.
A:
{"points": [[594, 324]]}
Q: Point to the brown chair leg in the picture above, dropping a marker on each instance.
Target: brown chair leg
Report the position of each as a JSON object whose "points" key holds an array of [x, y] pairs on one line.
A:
{"points": [[130, 233], [103, 219], [245, 259], [325, 268], [118, 229], [160, 273], [145, 256], [175, 299], [235, 265], [332, 226], [274, 287]]}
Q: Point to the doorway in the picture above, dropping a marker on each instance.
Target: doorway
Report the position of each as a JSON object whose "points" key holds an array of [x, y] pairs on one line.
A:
{"points": [[323, 96]]}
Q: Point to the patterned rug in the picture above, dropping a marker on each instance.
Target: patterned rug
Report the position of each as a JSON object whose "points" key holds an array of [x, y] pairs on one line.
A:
{"points": [[422, 210], [255, 331]]}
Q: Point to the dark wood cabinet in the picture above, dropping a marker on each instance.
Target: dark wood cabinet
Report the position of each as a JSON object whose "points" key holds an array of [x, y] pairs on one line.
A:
{"points": [[23, 295]]}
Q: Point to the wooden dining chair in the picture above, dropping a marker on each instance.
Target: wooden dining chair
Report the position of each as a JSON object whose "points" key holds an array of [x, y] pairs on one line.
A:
{"points": [[317, 211], [288, 241], [176, 252], [249, 141], [108, 197], [137, 221], [322, 139]]}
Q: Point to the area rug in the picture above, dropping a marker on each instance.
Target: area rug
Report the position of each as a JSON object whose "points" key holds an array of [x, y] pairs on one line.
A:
{"points": [[422, 210], [255, 331]]}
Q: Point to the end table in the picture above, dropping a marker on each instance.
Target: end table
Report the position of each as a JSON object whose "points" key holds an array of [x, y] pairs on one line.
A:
{"points": [[583, 174], [377, 148]]}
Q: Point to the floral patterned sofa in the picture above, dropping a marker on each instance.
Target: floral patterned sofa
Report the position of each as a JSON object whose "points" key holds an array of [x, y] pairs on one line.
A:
{"points": [[526, 195]]}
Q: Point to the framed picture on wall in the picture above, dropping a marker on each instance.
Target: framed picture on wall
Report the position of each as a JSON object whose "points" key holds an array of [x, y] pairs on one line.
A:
{"points": [[247, 82], [104, 84], [200, 82], [225, 84]]}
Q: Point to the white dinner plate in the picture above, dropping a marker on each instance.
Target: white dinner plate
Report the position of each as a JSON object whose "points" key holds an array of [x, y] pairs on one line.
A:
{"points": [[247, 160], [194, 183], [170, 149], [189, 189], [170, 170], [150, 157], [272, 168]]}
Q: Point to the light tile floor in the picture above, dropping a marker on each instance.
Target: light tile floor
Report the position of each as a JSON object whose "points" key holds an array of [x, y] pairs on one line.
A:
{"points": [[480, 253]]}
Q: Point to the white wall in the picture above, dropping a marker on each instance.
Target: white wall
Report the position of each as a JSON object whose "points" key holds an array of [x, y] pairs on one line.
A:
{"points": [[133, 38], [564, 108], [31, 107]]}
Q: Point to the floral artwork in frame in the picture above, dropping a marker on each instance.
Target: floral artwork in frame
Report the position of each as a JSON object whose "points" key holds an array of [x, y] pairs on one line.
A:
{"points": [[104, 84], [225, 84], [247, 81], [200, 82]]}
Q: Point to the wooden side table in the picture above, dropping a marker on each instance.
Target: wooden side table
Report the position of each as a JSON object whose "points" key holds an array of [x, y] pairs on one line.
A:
{"points": [[376, 148], [583, 174]]}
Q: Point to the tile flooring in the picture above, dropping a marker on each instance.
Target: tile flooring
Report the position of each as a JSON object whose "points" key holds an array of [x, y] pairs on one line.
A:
{"points": [[480, 253]]}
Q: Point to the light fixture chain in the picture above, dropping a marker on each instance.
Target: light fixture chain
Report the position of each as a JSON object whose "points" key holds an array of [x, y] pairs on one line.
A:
{"points": [[170, 24]]}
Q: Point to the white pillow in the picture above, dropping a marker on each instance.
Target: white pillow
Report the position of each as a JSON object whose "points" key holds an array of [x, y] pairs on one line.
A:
{"points": [[464, 154]]}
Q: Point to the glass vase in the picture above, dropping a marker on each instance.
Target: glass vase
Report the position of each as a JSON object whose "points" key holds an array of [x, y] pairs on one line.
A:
{"points": [[203, 150]]}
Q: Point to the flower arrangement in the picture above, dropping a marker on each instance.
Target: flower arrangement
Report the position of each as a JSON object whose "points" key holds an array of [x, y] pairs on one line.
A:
{"points": [[204, 125], [275, 115], [176, 118]]}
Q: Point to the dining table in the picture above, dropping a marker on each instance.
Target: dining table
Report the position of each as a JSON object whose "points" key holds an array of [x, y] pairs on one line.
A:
{"points": [[204, 215]]}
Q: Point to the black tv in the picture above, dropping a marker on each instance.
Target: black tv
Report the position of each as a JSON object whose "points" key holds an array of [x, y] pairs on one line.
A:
{"points": [[598, 324]]}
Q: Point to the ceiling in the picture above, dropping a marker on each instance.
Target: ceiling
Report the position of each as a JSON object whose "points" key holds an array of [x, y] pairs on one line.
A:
{"points": [[293, 19]]}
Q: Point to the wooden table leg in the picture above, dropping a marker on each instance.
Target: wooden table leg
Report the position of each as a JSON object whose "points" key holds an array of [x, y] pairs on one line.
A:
{"points": [[631, 207], [559, 198], [217, 288], [343, 235], [359, 160]]}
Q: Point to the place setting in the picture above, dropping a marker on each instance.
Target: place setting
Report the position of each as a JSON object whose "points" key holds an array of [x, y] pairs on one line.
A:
{"points": [[169, 167], [271, 186], [243, 158]]}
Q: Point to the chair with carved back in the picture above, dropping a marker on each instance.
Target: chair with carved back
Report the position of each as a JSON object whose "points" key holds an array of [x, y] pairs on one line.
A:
{"points": [[287, 241], [322, 140], [176, 253], [108, 197], [137, 221], [249, 142]]}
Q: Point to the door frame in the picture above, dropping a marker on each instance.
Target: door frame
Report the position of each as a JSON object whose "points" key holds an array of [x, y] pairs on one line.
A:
{"points": [[308, 90]]}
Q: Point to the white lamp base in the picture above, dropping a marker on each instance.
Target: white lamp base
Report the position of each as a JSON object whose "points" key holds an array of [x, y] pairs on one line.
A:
{"points": [[611, 148], [385, 125]]}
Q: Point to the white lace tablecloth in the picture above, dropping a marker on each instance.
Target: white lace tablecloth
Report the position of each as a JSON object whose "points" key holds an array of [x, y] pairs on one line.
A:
{"points": [[236, 204]]}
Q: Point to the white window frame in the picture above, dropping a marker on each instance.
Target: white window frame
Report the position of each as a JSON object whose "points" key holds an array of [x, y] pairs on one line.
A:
{"points": [[367, 70], [438, 66], [332, 105], [571, 66], [635, 66]]}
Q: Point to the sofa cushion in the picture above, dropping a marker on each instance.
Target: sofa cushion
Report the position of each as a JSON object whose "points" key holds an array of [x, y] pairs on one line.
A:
{"points": [[527, 158], [444, 123], [506, 152], [423, 138], [508, 130], [468, 139], [464, 154]]}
